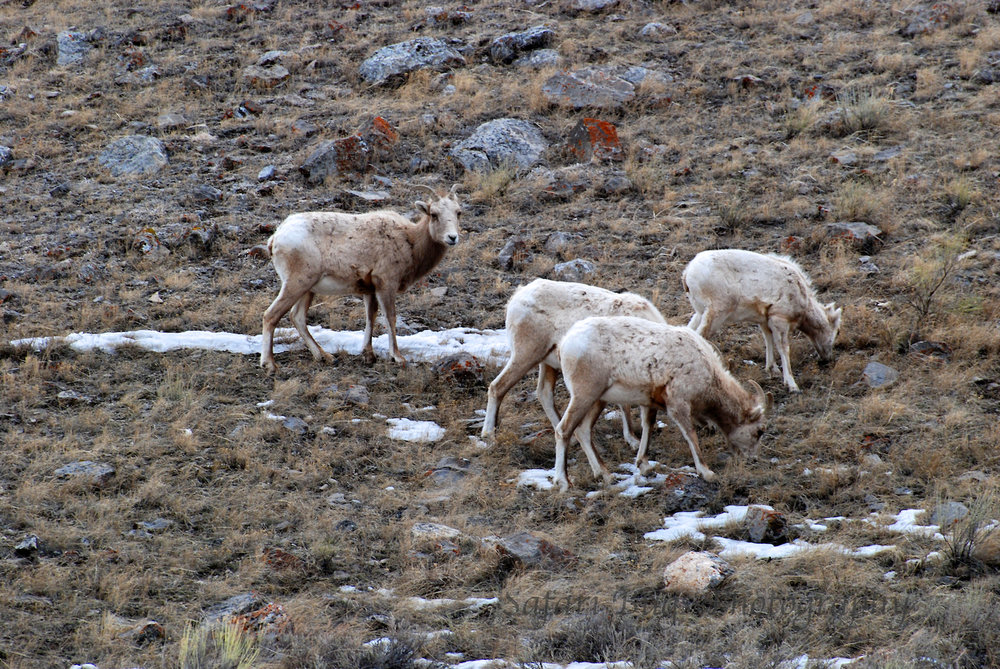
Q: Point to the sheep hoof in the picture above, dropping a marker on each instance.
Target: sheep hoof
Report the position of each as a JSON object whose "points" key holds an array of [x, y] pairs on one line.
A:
{"points": [[369, 357], [269, 366], [709, 475], [645, 468]]}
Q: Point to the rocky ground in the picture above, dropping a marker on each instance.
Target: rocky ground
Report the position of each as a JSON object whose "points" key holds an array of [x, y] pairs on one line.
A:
{"points": [[180, 507]]}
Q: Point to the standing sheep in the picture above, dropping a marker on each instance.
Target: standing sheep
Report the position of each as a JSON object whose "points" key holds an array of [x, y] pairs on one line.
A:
{"points": [[374, 255], [538, 315], [662, 367], [729, 286]]}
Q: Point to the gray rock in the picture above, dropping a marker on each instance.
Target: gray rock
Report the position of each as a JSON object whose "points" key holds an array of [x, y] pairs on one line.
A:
{"points": [[588, 88], [434, 531], [389, 64], [696, 572], [947, 514], [656, 30], [888, 154], [500, 143], [272, 58], [558, 243], [515, 252], [296, 425], [204, 194], [615, 184], [862, 236], [6, 155], [369, 196], [592, 6], [877, 375], [134, 155], [684, 491], [140, 77], [171, 121], [27, 546], [867, 266], [265, 78], [574, 270], [506, 48], [450, 470], [73, 48], [333, 157], [267, 172], [529, 550], [766, 525], [844, 157], [98, 471], [540, 58], [461, 369]]}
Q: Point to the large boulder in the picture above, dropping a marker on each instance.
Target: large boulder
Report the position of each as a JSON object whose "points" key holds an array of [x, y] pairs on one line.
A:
{"points": [[502, 142], [590, 87], [134, 155], [389, 64]]}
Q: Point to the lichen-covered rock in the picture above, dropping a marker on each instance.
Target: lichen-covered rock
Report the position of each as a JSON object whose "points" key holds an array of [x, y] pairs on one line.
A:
{"points": [[332, 157], [576, 270], [134, 155], [593, 139], [389, 64], [502, 142], [73, 48]]}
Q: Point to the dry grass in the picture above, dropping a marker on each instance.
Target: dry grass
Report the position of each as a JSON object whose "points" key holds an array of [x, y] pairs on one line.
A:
{"points": [[728, 162]]}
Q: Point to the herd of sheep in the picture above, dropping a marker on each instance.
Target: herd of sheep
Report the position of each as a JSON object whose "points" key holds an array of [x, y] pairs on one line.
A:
{"points": [[610, 347]]}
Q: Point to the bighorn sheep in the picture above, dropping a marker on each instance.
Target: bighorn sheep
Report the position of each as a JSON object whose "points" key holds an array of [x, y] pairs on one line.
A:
{"points": [[375, 255], [538, 315], [730, 285], [635, 361]]}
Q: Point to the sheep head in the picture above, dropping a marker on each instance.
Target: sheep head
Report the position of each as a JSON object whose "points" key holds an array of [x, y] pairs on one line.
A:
{"points": [[443, 216]]}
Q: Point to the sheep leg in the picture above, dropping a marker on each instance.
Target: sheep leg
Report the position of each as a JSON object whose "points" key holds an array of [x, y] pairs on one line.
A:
{"points": [[706, 326], [545, 392], [515, 370], [298, 318], [387, 301], [770, 366], [579, 409], [585, 433], [681, 415], [648, 417], [371, 310], [695, 321], [628, 426], [780, 329], [286, 299]]}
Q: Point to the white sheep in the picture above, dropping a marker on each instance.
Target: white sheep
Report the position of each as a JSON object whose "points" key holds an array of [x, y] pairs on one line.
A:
{"points": [[729, 286], [538, 315], [375, 255], [663, 367]]}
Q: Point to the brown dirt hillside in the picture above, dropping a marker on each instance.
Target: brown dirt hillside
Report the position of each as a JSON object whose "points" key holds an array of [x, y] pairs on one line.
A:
{"points": [[757, 125]]}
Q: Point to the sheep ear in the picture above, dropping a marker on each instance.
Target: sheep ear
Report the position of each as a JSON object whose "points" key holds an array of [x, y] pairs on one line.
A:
{"points": [[423, 207]]}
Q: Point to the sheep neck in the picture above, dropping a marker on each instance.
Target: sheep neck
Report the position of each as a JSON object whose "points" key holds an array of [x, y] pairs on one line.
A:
{"points": [[426, 252]]}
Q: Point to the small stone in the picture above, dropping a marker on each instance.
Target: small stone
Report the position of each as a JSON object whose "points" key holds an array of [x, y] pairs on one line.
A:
{"points": [[877, 375], [592, 6], [656, 30], [27, 547], [593, 139], [864, 237], [6, 155], [844, 157], [346, 525], [766, 525], [574, 270], [333, 157], [434, 531], [134, 155], [296, 425], [266, 173], [529, 550], [948, 514], [506, 48], [462, 369], [99, 472], [589, 87], [931, 350], [514, 253], [73, 48], [389, 64], [369, 196], [684, 491], [265, 78], [204, 194], [558, 243], [888, 154], [696, 572]]}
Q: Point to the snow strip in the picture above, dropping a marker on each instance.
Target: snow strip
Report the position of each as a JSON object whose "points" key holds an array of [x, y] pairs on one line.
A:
{"points": [[405, 429], [488, 345]]}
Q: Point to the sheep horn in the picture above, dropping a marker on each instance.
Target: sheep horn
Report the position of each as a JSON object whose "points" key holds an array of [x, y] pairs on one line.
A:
{"points": [[432, 191], [765, 400], [454, 189]]}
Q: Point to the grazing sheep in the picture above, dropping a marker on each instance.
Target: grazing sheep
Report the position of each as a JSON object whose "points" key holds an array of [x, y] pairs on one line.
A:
{"points": [[730, 285], [374, 255], [538, 315], [659, 366]]}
